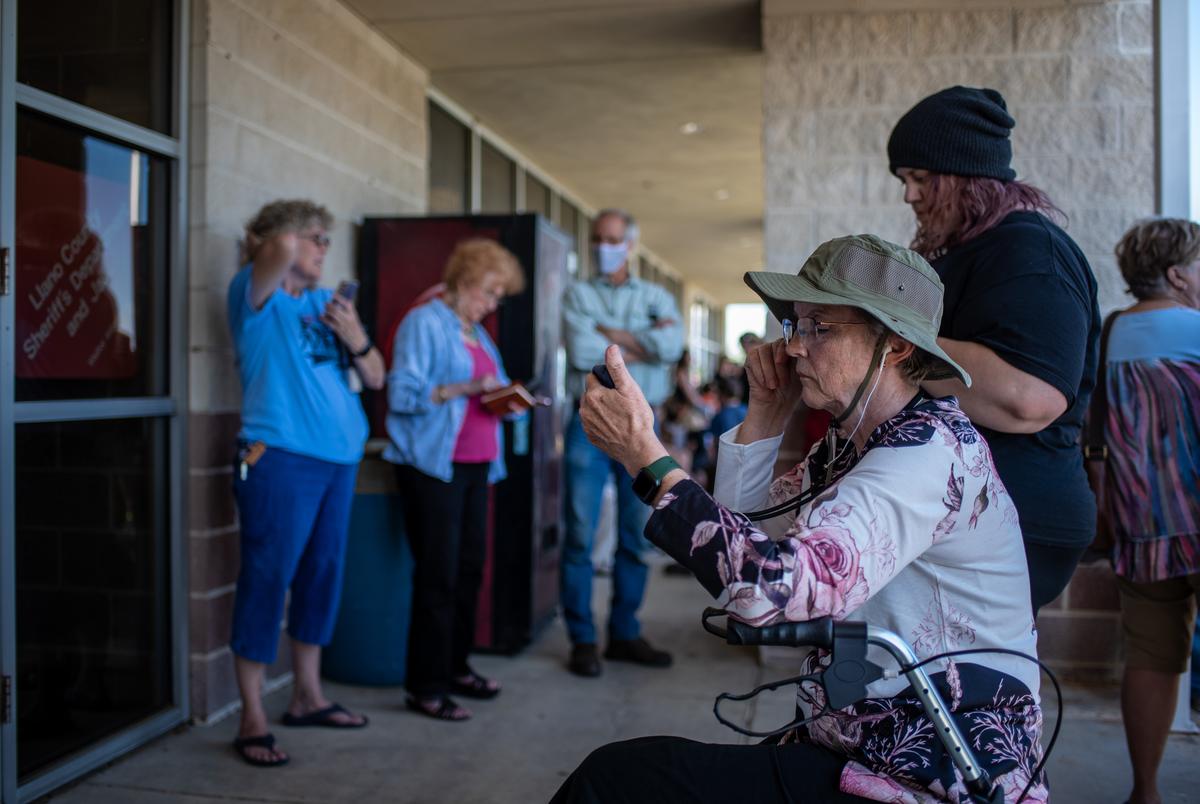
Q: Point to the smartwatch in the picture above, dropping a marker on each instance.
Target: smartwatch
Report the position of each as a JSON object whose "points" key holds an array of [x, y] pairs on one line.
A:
{"points": [[646, 484]]}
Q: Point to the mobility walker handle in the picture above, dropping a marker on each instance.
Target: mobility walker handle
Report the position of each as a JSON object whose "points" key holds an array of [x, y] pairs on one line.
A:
{"points": [[846, 678]]}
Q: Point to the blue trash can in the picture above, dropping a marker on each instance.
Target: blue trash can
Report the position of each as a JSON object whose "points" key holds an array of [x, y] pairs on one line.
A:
{"points": [[370, 641]]}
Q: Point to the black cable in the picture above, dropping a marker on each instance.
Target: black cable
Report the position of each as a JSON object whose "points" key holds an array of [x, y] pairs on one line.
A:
{"points": [[768, 687], [799, 680], [1037, 771], [803, 498]]}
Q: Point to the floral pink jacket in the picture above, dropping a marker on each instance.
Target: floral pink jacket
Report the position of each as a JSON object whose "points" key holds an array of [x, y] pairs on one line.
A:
{"points": [[918, 536]]}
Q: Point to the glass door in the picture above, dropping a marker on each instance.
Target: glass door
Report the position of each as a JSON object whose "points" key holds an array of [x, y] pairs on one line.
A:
{"points": [[92, 383]]}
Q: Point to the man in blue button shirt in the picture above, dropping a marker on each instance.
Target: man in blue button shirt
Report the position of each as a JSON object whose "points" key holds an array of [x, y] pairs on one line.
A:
{"points": [[641, 318]]}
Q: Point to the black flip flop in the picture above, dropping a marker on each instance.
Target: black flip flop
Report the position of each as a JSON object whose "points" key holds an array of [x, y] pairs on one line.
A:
{"points": [[266, 741], [324, 718], [443, 711]]}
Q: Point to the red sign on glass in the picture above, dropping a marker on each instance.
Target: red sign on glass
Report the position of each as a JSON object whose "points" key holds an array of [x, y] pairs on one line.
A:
{"points": [[72, 229]]}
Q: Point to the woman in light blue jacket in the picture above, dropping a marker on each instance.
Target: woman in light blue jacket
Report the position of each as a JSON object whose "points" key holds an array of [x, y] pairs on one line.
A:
{"points": [[448, 448]]}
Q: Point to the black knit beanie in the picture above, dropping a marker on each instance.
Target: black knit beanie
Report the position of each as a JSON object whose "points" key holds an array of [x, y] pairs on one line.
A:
{"points": [[960, 130]]}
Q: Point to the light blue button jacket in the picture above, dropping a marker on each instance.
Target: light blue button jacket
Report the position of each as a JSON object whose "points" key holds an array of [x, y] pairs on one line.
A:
{"points": [[428, 352]]}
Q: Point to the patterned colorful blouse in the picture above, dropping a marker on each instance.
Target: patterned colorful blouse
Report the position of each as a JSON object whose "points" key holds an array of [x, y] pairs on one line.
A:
{"points": [[918, 536], [1152, 482]]}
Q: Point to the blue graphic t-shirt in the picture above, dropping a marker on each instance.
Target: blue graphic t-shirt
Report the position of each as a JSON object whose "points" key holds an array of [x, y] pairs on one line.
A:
{"points": [[294, 392]]}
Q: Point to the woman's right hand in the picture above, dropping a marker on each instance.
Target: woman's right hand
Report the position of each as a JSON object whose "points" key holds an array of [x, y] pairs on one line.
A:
{"points": [[771, 372], [482, 385], [774, 390], [477, 386], [273, 256]]}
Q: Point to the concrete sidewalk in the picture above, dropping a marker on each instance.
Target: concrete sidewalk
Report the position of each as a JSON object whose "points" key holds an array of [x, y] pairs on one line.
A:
{"points": [[519, 747]]}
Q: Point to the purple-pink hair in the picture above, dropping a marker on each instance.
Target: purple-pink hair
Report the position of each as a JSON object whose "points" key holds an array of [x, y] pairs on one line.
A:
{"points": [[964, 207]]}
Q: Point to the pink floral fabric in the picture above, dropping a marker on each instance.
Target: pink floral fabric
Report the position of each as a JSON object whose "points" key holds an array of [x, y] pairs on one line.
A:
{"points": [[918, 535]]}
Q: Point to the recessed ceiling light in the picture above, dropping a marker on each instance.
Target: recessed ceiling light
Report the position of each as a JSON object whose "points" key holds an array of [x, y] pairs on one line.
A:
{"points": [[689, 128], [721, 195]]}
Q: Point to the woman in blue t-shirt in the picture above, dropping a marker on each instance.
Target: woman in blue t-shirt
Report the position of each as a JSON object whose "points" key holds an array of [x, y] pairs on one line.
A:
{"points": [[1020, 315], [302, 437]]}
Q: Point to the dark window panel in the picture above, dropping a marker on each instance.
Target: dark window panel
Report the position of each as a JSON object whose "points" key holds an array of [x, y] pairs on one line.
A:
{"points": [[113, 56], [93, 610], [449, 163], [498, 178], [537, 196]]}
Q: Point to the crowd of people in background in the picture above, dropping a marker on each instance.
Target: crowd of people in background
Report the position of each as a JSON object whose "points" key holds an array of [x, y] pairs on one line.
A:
{"points": [[985, 333]]}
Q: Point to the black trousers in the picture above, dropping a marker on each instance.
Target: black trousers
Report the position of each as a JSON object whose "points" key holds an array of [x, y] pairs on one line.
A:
{"points": [[446, 524], [672, 769], [1050, 569]]}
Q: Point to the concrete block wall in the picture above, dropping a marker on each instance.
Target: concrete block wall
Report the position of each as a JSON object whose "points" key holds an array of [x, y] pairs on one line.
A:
{"points": [[1078, 78], [288, 99]]}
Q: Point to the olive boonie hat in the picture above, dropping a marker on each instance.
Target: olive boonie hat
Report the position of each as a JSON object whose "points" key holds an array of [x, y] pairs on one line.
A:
{"points": [[891, 283]]}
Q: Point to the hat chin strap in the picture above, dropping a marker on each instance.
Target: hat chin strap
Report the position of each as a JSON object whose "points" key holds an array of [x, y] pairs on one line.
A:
{"points": [[862, 386]]}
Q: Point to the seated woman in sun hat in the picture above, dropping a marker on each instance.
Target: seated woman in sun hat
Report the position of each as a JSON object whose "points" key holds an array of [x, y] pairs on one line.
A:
{"points": [[914, 533]]}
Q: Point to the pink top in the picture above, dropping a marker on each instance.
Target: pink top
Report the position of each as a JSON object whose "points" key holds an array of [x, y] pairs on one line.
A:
{"points": [[477, 438]]}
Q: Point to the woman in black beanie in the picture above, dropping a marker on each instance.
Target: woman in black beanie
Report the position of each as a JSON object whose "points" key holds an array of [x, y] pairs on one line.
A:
{"points": [[1020, 315]]}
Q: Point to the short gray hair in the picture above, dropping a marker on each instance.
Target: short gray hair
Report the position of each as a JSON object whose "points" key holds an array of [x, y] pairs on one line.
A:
{"points": [[632, 230]]}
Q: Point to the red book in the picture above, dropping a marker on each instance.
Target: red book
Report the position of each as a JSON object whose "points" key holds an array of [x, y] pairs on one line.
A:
{"points": [[510, 399]]}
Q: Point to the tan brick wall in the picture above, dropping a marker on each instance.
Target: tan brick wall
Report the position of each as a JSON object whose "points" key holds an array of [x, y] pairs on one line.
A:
{"points": [[1079, 80], [288, 99]]}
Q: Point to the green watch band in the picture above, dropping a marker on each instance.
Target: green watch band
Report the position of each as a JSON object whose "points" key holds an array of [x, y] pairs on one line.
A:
{"points": [[646, 484], [662, 467]]}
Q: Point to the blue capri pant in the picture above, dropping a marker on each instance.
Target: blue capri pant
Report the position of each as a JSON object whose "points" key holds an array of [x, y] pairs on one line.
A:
{"points": [[294, 512]]}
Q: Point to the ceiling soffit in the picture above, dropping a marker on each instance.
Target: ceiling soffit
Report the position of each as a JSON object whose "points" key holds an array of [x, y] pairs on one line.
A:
{"points": [[595, 94]]}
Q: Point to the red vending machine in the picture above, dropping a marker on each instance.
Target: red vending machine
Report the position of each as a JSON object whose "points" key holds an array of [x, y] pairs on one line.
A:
{"points": [[400, 264]]}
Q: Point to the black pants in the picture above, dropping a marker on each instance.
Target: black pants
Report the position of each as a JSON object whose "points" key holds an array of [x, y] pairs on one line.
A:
{"points": [[670, 769], [446, 524], [1050, 569]]}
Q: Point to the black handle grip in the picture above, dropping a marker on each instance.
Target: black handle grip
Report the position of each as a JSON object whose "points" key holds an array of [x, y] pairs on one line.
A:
{"points": [[601, 372], [814, 633]]}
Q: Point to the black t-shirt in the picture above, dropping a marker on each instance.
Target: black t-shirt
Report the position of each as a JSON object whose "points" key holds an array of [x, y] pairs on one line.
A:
{"points": [[1024, 290]]}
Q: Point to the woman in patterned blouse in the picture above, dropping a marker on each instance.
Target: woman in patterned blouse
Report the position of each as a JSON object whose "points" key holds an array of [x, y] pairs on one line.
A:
{"points": [[1152, 484], [912, 531]]}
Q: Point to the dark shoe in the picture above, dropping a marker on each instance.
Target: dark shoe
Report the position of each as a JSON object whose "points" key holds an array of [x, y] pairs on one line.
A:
{"points": [[473, 685], [266, 741], [585, 661], [438, 707], [638, 651], [326, 718]]}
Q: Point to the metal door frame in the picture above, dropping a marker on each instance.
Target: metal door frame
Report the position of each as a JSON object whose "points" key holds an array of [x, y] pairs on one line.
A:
{"points": [[172, 407]]}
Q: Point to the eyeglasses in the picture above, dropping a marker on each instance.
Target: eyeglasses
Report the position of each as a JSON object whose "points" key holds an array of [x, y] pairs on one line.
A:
{"points": [[319, 238], [808, 327]]}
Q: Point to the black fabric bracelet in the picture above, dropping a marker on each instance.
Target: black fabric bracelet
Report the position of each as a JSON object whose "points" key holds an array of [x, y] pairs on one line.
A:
{"points": [[363, 352]]}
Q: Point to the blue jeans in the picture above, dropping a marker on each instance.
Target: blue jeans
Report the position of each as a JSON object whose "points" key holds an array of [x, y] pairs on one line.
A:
{"points": [[587, 470], [295, 514]]}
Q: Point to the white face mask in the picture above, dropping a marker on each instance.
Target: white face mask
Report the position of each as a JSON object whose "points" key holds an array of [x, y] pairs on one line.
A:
{"points": [[610, 257]]}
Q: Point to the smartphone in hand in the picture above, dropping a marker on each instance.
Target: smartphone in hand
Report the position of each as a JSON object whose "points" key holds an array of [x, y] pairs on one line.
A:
{"points": [[601, 372], [348, 289]]}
